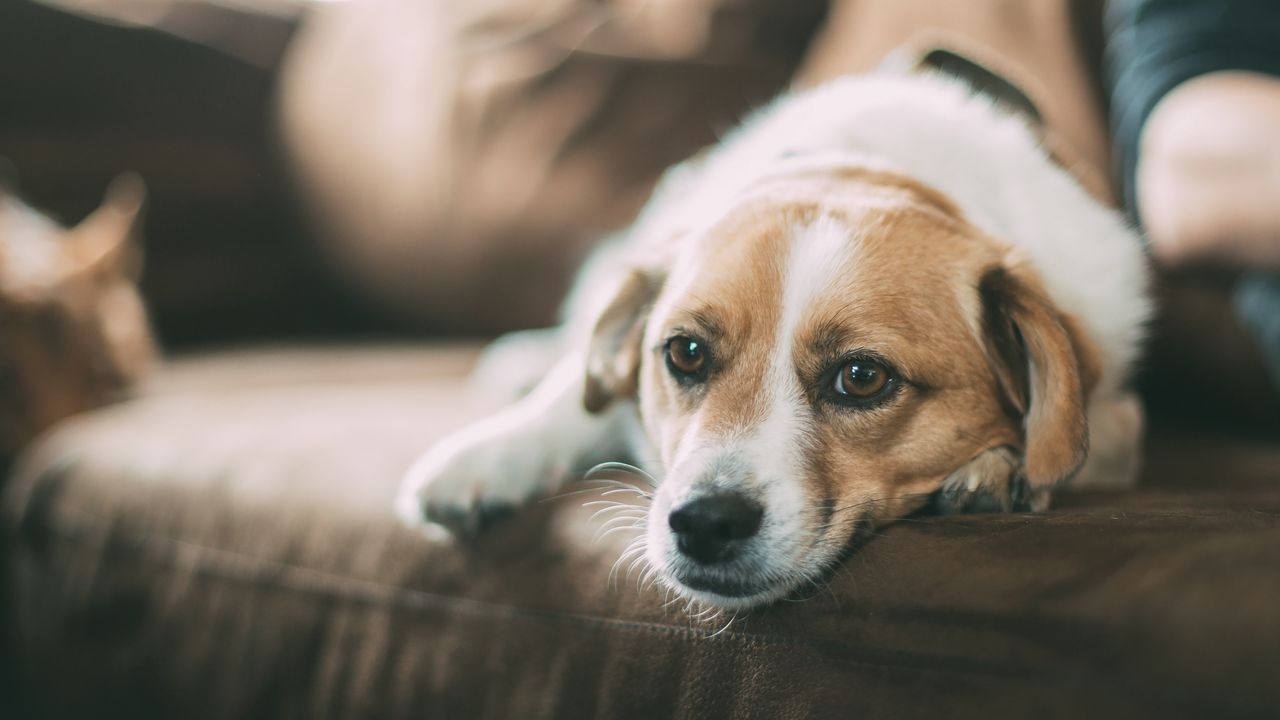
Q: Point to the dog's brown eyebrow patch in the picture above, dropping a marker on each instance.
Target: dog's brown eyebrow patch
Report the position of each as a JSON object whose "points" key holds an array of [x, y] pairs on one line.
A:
{"points": [[706, 321], [829, 339]]}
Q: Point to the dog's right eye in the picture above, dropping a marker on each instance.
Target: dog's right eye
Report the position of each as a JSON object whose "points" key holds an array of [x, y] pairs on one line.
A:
{"points": [[686, 358]]}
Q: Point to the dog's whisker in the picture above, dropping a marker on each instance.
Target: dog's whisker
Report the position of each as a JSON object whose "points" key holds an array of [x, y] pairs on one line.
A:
{"points": [[614, 503], [625, 468], [631, 567], [605, 481], [605, 506], [624, 520], [637, 561], [631, 490], [601, 534], [610, 503], [635, 549], [626, 479], [612, 509], [570, 493], [821, 583], [617, 506], [689, 608], [619, 519], [620, 528], [645, 572], [628, 556], [601, 484], [730, 621], [623, 515], [648, 578]]}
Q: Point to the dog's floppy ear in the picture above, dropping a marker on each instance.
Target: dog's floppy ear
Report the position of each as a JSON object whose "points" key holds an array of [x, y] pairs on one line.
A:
{"points": [[1045, 366], [613, 356]]}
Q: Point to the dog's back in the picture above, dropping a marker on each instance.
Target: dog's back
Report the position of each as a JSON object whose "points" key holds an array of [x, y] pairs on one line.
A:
{"points": [[982, 157]]}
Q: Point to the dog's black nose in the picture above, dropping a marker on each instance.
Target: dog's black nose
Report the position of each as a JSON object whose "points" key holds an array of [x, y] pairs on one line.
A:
{"points": [[709, 529]]}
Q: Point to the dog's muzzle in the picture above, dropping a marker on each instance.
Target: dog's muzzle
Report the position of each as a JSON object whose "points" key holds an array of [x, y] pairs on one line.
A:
{"points": [[712, 529], [712, 535]]}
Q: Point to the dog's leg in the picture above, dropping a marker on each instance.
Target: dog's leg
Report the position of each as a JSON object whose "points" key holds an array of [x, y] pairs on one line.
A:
{"points": [[514, 364], [991, 482], [529, 448]]}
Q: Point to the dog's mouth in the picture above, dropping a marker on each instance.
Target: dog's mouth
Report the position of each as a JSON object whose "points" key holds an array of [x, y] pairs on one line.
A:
{"points": [[729, 593], [748, 583], [734, 588]]}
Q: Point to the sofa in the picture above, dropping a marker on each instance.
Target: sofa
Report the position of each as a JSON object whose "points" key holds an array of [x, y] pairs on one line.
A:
{"points": [[222, 544]]}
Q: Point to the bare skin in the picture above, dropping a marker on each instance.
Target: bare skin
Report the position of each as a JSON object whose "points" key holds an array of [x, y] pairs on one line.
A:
{"points": [[1208, 179]]}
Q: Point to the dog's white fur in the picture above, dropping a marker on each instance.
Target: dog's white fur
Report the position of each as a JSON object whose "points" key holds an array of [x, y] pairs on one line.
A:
{"points": [[930, 129]]}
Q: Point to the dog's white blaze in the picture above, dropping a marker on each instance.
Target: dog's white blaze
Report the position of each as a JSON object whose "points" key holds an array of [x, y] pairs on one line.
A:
{"points": [[815, 259]]}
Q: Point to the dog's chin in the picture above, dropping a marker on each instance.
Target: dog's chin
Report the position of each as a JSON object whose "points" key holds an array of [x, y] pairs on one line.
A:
{"points": [[727, 593]]}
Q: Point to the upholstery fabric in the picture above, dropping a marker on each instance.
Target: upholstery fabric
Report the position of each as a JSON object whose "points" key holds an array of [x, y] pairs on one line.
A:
{"points": [[223, 547]]}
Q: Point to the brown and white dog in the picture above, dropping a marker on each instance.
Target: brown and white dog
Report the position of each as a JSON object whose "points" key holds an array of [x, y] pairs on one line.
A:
{"points": [[874, 295]]}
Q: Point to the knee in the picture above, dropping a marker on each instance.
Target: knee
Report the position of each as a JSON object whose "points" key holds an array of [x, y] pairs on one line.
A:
{"points": [[1208, 171]]}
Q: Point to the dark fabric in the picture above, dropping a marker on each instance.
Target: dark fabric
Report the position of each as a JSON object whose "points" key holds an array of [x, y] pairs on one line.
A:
{"points": [[1257, 300], [224, 548], [1155, 45]]}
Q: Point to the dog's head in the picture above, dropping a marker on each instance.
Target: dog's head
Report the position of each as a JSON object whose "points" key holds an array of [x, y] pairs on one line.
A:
{"points": [[816, 362]]}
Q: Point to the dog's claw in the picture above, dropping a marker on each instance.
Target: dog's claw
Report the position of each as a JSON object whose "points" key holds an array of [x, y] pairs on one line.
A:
{"points": [[990, 483]]}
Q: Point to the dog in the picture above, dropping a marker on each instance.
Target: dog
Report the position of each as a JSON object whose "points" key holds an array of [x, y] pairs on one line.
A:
{"points": [[873, 297]]}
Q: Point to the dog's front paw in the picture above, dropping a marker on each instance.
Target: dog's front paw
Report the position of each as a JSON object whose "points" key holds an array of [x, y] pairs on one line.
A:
{"points": [[991, 482], [472, 478]]}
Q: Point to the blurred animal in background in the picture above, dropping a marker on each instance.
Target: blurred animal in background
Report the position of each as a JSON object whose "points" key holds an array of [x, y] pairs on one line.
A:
{"points": [[73, 329]]}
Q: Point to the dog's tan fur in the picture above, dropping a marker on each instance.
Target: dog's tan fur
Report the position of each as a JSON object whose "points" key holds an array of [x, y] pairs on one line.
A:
{"points": [[960, 398], [892, 223]]}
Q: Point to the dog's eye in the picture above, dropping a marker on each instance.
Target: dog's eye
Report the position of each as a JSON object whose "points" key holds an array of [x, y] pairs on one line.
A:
{"points": [[862, 379], [685, 356]]}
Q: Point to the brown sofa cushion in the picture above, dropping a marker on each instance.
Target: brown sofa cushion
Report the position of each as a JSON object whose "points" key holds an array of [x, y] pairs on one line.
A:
{"points": [[224, 547]]}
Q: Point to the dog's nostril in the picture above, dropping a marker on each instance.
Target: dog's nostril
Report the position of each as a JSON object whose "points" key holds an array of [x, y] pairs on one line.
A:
{"points": [[707, 528]]}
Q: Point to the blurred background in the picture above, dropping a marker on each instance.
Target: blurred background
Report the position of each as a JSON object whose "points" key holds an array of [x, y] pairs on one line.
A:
{"points": [[373, 168], [184, 94]]}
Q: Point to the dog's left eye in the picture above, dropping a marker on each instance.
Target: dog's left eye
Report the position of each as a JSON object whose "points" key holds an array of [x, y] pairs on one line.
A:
{"points": [[862, 379], [686, 357]]}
